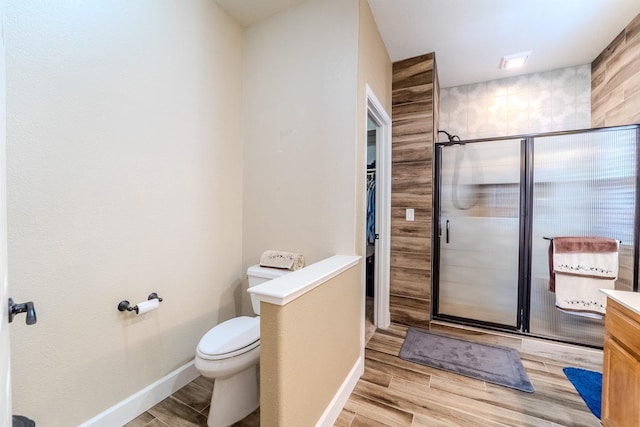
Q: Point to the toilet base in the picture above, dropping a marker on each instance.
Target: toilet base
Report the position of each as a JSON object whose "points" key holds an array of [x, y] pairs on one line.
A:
{"points": [[234, 398]]}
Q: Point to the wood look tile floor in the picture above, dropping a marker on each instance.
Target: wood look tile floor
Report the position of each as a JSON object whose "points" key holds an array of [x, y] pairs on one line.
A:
{"points": [[394, 392]]}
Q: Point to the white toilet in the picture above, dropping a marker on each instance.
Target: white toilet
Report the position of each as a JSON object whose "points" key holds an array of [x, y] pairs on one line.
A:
{"points": [[230, 353]]}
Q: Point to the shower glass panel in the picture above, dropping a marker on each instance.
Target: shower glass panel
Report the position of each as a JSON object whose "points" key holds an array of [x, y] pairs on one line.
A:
{"points": [[584, 184], [479, 201]]}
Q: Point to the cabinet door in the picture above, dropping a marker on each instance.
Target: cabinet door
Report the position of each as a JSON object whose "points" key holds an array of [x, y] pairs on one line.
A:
{"points": [[621, 387]]}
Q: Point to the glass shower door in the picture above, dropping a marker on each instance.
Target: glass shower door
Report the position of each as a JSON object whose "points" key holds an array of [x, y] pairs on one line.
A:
{"points": [[479, 228], [584, 185]]}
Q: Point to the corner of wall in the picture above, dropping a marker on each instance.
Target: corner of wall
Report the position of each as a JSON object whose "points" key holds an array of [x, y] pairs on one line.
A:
{"points": [[615, 81]]}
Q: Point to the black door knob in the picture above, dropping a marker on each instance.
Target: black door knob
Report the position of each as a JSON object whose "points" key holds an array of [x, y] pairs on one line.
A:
{"points": [[26, 307]]}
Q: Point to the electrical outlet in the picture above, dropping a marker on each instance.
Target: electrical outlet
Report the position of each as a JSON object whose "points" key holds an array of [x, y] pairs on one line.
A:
{"points": [[410, 214]]}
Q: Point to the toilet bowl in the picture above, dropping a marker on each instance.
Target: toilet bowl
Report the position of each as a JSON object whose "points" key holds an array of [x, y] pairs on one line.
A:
{"points": [[230, 353]]}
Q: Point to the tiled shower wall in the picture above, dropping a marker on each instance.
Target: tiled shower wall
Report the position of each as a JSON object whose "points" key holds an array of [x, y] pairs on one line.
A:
{"points": [[615, 86], [534, 103], [414, 102]]}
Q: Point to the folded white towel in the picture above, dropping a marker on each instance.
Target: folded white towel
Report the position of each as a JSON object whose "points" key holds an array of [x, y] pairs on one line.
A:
{"points": [[589, 264], [601, 265], [582, 294], [280, 259]]}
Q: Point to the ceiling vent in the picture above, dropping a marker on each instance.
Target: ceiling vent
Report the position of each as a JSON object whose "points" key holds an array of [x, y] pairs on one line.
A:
{"points": [[514, 61]]}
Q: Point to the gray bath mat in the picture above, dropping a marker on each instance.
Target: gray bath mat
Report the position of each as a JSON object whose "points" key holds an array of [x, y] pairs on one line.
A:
{"points": [[490, 363]]}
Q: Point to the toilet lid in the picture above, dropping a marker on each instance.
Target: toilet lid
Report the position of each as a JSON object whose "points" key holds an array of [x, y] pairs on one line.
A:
{"points": [[230, 336]]}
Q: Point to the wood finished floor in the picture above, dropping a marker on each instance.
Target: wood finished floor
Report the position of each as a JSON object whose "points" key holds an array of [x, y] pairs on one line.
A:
{"points": [[394, 392]]}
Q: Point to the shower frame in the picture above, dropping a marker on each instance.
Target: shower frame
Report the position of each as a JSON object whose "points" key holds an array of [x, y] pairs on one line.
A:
{"points": [[525, 220]]}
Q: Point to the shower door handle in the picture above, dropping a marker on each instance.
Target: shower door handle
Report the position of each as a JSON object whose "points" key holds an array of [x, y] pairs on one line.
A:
{"points": [[446, 233]]}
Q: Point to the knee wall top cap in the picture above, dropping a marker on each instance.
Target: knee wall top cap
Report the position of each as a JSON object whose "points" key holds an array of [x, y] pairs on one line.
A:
{"points": [[230, 335]]}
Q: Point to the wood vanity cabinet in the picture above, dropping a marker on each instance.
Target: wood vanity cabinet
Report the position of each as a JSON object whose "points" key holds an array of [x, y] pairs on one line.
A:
{"points": [[621, 367]]}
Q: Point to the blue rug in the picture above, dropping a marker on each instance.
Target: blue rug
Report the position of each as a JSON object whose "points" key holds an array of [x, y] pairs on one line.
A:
{"points": [[589, 387]]}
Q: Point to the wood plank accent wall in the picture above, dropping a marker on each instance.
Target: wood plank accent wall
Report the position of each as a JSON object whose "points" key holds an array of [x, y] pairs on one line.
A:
{"points": [[615, 80], [414, 110]]}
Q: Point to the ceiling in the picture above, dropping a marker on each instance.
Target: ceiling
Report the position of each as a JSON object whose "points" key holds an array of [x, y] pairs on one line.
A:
{"points": [[470, 37], [249, 12]]}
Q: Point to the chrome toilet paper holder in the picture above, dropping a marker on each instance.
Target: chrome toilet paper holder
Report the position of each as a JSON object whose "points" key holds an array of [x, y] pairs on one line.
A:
{"points": [[125, 305]]}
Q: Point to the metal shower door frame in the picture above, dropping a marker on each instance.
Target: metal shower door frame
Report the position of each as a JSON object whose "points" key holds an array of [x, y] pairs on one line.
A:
{"points": [[525, 228], [523, 237]]}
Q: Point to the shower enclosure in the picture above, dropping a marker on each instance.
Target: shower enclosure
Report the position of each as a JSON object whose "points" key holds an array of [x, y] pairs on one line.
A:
{"points": [[498, 202]]}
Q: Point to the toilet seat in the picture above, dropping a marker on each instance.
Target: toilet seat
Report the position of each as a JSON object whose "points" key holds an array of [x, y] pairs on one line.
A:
{"points": [[230, 338]]}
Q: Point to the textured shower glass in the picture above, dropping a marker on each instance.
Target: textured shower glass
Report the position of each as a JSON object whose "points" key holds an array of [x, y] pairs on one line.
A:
{"points": [[583, 185], [479, 208]]}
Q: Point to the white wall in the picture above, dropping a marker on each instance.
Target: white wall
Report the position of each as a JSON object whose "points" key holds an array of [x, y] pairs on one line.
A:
{"points": [[300, 133], [124, 177], [549, 101]]}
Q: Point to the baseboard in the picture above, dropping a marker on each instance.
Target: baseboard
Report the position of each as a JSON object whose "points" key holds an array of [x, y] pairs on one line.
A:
{"points": [[129, 408], [331, 414]]}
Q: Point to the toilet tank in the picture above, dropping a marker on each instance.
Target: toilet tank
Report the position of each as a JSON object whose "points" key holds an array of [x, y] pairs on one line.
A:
{"points": [[257, 275]]}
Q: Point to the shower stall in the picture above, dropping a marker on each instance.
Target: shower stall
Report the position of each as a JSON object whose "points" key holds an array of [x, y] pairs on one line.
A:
{"points": [[497, 204]]}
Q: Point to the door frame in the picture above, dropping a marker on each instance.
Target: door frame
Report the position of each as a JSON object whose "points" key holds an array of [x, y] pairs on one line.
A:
{"points": [[382, 315], [439, 229], [5, 352]]}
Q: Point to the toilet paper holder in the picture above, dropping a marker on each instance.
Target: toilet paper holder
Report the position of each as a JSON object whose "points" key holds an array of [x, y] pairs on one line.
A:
{"points": [[125, 305]]}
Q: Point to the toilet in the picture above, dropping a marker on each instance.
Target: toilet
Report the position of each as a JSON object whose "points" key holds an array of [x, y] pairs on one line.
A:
{"points": [[230, 354]]}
